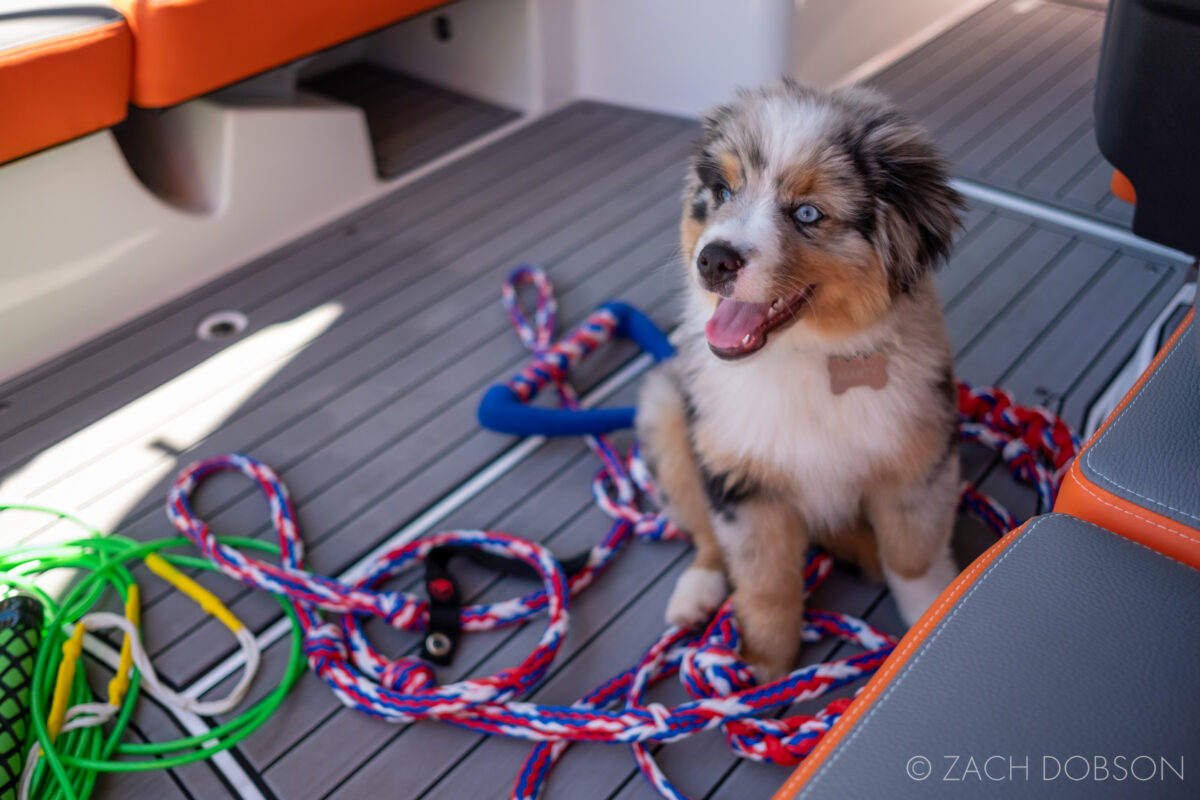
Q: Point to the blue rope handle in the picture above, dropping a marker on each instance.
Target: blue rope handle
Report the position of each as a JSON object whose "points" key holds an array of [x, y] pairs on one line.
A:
{"points": [[505, 407]]}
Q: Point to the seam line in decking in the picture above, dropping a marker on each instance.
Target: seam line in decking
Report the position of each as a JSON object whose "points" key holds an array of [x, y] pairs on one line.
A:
{"points": [[1074, 301], [1014, 107], [152, 508]]}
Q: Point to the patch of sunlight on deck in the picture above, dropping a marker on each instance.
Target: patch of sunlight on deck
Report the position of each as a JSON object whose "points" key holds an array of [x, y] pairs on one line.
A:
{"points": [[149, 436]]}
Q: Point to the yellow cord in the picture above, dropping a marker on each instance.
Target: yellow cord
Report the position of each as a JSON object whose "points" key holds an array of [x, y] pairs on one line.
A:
{"points": [[203, 597], [120, 682], [72, 650]]}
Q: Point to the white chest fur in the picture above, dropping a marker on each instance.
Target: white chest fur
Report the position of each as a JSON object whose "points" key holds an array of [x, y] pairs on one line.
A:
{"points": [[777, 409]]}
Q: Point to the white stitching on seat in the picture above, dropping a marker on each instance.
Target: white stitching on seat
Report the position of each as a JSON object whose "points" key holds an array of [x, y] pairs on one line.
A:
{"points": [[929, 620], [1136, 515], [860, 724], [1088, 455]]}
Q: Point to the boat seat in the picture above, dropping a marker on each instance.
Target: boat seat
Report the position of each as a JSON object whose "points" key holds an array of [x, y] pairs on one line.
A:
{"points": [[65, 70], [1057, 659], [186, 48], [1139, 475]]}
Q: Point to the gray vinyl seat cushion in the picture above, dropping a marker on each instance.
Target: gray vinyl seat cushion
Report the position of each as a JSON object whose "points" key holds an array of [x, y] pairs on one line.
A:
{"points": [[1150, 454], [1074, 642]]}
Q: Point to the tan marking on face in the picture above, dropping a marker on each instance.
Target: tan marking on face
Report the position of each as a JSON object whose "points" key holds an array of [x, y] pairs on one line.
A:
{"points": [[731, 169], [832, 190], [851, 288], [801, 183]]}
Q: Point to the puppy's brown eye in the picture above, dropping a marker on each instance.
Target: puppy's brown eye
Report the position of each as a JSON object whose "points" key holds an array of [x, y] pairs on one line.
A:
{"points": [[807, 214]]}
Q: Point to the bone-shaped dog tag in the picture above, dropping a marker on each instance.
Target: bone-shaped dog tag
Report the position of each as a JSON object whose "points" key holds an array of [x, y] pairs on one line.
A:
{"points": [[846, 373]]}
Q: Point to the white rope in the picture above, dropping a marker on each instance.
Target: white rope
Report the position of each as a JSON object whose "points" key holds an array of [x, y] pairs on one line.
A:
{"points": [[88, 715], [102, 620]]}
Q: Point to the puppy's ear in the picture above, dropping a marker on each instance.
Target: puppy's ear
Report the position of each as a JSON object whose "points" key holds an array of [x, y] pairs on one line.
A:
{"points": [[916, 212]]}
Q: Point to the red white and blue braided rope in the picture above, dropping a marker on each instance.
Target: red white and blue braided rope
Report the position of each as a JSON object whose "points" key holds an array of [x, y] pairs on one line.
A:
{"points": [[1034, 444]]}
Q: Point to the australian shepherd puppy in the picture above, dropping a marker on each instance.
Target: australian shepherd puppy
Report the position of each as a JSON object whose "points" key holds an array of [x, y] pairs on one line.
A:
{"points": [[812, 401]]}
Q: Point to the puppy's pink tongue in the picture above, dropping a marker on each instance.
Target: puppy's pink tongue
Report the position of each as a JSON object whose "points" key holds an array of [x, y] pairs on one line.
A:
{"points": [[733, 321]]}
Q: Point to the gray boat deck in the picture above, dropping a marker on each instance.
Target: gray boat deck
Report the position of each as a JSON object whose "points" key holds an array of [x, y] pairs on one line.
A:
{"points": [[371, 340], [1008, 95]]}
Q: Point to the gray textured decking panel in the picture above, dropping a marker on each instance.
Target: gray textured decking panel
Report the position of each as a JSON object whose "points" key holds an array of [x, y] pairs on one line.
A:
{"points": [[411, 122], [1008, 94], [372, 421]]}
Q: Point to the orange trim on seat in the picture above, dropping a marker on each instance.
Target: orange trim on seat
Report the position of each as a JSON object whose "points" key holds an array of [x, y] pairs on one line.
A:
{"points": [[912, 640], [55, 90], [1082, 498], [186, 48], [1122, 187]]}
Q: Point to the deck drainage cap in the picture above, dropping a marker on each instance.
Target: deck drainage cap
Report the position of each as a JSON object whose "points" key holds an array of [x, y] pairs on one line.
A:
{"points": [[221, 325]]}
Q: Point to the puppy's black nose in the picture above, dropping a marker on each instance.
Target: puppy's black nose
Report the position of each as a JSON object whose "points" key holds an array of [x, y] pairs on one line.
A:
{"points": [[718, 262]]}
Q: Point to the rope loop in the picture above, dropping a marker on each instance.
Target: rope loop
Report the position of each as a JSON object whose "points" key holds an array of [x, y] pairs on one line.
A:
{"points": [[538, 334], [713, 668]]}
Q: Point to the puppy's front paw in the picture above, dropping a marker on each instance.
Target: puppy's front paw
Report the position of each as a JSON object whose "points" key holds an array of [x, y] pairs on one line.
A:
{"points": [[767, 667], [698, 593], [771, 632]]}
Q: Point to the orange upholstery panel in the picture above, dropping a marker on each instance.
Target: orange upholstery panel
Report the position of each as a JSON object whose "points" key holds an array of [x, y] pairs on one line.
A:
{"points": [[1081, 497], [58, 87], [186, 48], [1122, 187], [904, 651]]}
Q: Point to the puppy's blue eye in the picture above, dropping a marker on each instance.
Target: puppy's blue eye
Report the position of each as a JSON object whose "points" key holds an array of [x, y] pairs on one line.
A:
{"points": [[807, 214], [724, 195]]}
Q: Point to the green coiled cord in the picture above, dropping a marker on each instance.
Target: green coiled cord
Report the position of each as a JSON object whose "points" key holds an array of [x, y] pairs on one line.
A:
{"points": [[68, 767]]}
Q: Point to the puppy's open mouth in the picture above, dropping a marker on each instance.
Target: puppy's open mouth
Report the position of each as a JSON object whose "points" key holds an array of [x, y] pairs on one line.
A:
{"points": [[737, 329]]}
